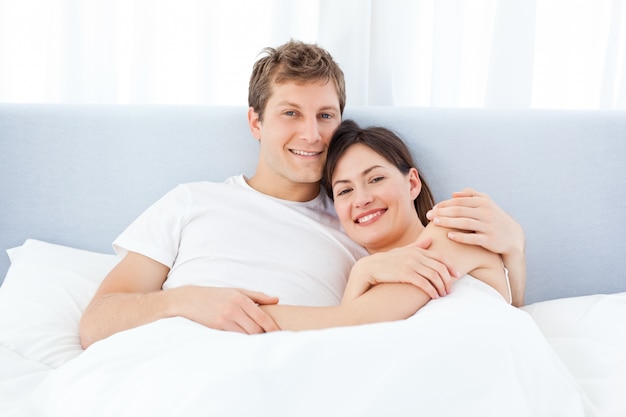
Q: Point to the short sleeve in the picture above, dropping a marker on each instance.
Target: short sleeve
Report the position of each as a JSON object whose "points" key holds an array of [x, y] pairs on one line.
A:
{"points": [[156, 232]]}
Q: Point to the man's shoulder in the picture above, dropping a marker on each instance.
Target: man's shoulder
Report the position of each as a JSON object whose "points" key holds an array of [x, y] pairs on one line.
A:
{"points": [[203, 186], [199, 190]]}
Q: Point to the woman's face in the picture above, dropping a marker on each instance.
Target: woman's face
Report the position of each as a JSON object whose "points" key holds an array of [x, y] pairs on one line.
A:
{"points": [[374, 200]]}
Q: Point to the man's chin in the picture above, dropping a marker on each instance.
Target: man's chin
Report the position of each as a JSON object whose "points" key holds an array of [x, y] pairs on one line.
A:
{"points": [[308, 179]]}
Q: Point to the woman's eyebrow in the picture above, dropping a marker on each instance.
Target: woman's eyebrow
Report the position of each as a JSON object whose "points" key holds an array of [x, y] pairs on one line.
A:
{"points": [[365, 172]]}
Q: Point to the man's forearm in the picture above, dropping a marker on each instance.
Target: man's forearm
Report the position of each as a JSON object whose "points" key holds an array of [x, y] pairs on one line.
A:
{"points": [[113, 313], [516, 265]]}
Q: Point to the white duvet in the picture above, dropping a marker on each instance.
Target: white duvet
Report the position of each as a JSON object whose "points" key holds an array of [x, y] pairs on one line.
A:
{"points": [[467, 354]]}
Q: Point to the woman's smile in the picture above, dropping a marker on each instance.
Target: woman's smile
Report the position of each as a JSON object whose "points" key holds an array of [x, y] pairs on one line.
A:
{"points": [[370, 216]]}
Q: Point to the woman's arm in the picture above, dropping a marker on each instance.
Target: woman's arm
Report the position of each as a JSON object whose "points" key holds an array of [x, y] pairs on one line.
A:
{"points": [[384, 302], [397, 301], [475, 260], [415, 264]]}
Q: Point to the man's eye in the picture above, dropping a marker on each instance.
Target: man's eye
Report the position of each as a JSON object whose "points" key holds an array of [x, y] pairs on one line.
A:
{"points": [[326, 116], [290, 113]]}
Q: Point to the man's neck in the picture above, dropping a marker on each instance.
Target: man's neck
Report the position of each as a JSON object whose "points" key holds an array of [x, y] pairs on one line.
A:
{"points": [[285, 190]]}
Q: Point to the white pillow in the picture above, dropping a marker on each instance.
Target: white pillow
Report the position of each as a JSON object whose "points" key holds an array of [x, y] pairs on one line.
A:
{"points": [[43, 296], [589, 335]]}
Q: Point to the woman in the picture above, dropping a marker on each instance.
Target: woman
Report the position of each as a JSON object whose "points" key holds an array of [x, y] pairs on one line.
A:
{"points": [[382, 201]]}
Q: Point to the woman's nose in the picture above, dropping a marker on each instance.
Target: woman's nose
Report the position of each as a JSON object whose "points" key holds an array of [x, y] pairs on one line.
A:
{"points": [[363, 198]]}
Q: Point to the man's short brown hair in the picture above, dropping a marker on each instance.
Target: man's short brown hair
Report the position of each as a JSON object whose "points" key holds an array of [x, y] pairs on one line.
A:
{"points": [[293, 61]]}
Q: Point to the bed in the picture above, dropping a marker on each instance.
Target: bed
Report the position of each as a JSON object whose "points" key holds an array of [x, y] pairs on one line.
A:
{"points": [[73, 177]]}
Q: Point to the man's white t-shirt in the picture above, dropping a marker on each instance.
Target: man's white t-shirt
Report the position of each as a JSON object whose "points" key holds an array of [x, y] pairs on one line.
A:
{"points": [[230, 235]]}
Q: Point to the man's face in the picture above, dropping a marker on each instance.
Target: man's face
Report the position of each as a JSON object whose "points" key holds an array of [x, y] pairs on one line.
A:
{"points": [[299, 121]]}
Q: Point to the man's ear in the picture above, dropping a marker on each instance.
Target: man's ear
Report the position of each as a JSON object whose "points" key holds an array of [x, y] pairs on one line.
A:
{"points": [[254, 123], [415, 183]]}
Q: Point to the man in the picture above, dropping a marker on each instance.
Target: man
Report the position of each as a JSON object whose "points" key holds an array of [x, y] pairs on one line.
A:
{"points": [[212, 252]]}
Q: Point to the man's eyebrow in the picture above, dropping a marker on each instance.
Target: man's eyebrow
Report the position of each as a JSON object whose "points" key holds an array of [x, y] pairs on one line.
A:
{"points": [[288, 103], [297, 106], [327, 108], [365, 172]]}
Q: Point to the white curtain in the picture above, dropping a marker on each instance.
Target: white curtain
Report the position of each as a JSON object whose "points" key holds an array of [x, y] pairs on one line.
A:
{"points": [[442, 53]]}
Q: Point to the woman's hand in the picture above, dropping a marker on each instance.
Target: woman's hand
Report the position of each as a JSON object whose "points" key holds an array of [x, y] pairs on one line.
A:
{"points": [[413, 264]]}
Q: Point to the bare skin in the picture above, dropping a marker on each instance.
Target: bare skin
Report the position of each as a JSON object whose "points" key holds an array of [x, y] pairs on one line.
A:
{"points": [[131, 295], [392, 301], [297, 126], [298, 123], [374, 202], [479, 221]]}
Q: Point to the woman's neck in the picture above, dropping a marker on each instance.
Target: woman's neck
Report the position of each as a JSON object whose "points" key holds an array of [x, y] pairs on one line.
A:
{"points": [[410, 236]]}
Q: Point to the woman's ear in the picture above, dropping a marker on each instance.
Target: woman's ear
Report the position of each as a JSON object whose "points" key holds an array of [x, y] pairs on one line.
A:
{"points": [[415, 183], [254, 123]]}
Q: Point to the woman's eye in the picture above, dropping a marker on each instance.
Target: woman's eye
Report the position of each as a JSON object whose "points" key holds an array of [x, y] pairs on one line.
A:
{"points": [[377, 179], [342, 192]]}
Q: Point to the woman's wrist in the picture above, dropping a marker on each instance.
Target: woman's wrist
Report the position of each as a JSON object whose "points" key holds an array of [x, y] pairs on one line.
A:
{"points": [[358, 281]]}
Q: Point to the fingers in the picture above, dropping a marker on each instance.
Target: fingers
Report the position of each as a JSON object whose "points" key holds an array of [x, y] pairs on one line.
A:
{"points": [[413, 264], [440, 275], [434, 275], [460, 194], [468, 197], [424, 243], [477, 239], [430, 271], [459, 203], [258, 316], [464, 213], [238, 311], [447, 215], [253, 320], [470, 225], [428, 289], [247, 318], [469, 192], [432, 285], [260, 298], [442, 265]]}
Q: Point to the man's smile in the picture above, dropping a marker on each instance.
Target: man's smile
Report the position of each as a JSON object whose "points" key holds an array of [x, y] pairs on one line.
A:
{"points": [[304, 153]]}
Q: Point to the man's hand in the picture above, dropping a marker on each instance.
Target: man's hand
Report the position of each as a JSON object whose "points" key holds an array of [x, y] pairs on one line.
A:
{"points": [[412, 264], [131, 295], [228, 309], [480, 222]]}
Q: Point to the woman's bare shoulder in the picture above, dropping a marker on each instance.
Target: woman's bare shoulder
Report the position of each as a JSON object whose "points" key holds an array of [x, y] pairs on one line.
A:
{"points": [[468, 259]]}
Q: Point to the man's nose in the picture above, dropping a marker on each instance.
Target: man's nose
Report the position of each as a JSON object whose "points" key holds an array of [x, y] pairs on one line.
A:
{"points": [[310, 130]]}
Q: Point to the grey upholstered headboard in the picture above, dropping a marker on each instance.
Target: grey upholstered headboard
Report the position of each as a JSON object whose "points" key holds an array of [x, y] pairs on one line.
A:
{"points": [[77, 175]]}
